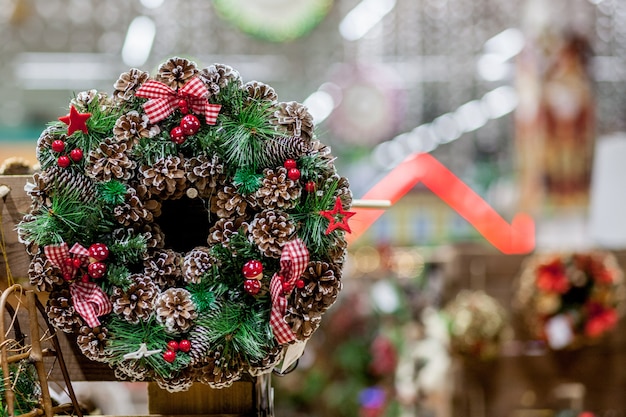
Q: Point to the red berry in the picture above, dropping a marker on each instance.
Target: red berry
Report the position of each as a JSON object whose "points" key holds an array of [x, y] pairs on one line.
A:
{"points": [[286, 287], [63, 161], [252, 286], [58, 145], [169, 356], [190, 124], [293, 174], [84, 278], [252, 269], [290, 163], [76, 155], [310, 187], [177, 135], [67, 276], [98, 251], [68, 261], [183, 106], [184, 345], [97, 270], [172, 345], [300, 283], [76, 262]]}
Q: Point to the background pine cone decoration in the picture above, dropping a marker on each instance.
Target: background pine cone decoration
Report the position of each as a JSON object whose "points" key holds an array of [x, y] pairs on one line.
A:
{"points": [[258, 91], [132, 126], [175, 72], [181, 381], [164, 268], [295, 119], [277, 190], [224, 229], [204, 173], [92, 342], [128, 83], [227, 202], [175, 310], [136, 303], [218, 76], [43, 274], [165, 178], [110, 161], [15, 166], [270, 230], [278, 149], [197, 262], [60, 311]]}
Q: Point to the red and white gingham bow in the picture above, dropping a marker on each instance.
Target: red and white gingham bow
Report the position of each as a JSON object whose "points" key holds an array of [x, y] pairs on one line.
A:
{"points": [[164, 100], [293, 262], [88, 298]]}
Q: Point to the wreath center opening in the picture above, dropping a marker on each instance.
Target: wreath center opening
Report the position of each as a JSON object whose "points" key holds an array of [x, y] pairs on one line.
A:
{"points": [[185, 223]]}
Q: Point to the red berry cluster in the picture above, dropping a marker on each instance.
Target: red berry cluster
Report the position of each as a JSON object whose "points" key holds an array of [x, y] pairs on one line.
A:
{"points": [[96, 268], [189, 125], [174, 346], [64, 161], [287, 287], [294, 174]]}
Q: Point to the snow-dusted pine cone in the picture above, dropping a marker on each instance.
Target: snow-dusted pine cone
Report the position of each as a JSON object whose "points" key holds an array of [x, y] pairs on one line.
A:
{"points": [[165, 178], [84, 99], [132, 126], [278, 149], [136, 303], [266, 364], [164, 268], [132, 210], [60, 311], [218, 76], [224, 229], [321, 285], [302, 319], [200, 344], [181, 381], [175, 310], [343, 190], [43, 274], [152, 233], [196, 263], [44, 143], [92, 342], [73, 180], [219, 370], [227, 202], [204, 173], [295, 119], [131, 370], [258, 91], [110, 161], [175, 72], [277, 190], [337, 251], [128, 83], [270, 230]]}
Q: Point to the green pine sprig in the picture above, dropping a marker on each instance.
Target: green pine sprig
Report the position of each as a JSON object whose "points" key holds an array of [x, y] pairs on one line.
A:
{"points": [[112, 192], [247, 180], [25, 386], [129, 249], [150, 150], [117, 276], [205, 295]]}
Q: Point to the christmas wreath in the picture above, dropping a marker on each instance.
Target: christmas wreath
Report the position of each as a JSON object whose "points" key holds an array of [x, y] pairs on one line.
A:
{"points": [[189, 227], [568, 299]]}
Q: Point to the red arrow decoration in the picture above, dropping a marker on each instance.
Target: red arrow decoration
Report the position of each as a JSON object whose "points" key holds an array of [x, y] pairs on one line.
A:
{"points": [[515, 238]]}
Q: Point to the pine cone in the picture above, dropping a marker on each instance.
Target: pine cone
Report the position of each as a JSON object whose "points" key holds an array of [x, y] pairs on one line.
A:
{"points": [[136, 303], [278, 149], [295, 119], [128, 83], [179, 382], [110, 161], [200, 344], [92, 342], [337, 251], [227, 202], [270, 230], [277, 190], [258, 91], [342, 191], [60, 311], [197, 262], [132, 210], [175, 310], [219, 370], [321, 285], [44, 144], [84, 99], [55, 176], [155, 238], [175, 72], [43, 274], [165, 178], [224, 229], [205, 173], [164, 268], [302, 319], [132, 126], [218, 76], [131, 370], [322, 152], [266, 364]]}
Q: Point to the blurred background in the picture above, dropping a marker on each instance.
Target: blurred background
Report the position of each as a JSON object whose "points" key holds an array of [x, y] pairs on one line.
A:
{"points": [[523, 101]]}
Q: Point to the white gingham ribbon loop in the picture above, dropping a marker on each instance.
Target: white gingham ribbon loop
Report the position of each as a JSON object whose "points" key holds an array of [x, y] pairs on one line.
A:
{"points": [[164, 100], [293, 261]]}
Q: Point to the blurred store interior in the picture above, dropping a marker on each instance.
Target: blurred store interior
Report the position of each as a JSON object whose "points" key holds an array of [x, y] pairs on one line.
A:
{"points": [[520, 102]]}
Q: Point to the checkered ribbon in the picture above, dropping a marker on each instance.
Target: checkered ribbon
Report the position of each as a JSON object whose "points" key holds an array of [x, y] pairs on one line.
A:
{"points": [[164, 100], [88, 299], [90, 302], [293, 262]]}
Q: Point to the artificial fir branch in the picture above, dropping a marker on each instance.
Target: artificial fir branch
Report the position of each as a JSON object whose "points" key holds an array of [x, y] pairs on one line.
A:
{"points": [[112, 192], [247, 180], [117, 276], [313, 166], [149, 150], [206, 293], [129, 249]]}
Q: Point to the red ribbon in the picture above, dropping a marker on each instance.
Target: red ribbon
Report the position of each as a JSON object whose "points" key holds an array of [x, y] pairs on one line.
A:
{"points": [[89, 300], [164, 100], [293, 261]]}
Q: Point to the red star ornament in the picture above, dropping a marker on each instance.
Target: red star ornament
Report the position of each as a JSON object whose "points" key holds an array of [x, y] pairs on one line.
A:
{"points": [[75, 121], [337, 217]]}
